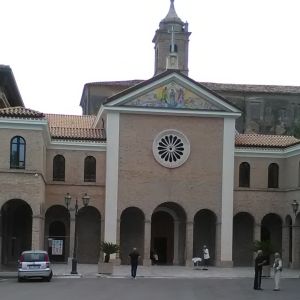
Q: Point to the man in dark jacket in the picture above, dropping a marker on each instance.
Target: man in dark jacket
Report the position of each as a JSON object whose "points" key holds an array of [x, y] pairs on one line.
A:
{"points": [[134, 260], [259, 262]]}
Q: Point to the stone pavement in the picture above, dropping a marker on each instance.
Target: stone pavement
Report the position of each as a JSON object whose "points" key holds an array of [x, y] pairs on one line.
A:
{"points": [[86, 270], [91, 270]]}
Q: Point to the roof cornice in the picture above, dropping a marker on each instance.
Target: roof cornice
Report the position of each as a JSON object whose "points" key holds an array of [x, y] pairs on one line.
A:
{"points": [[174, 112], [267, 152], [79, 146]]}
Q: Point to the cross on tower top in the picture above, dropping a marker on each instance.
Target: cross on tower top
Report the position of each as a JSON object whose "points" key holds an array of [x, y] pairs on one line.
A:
{"points": [[172, 31]]}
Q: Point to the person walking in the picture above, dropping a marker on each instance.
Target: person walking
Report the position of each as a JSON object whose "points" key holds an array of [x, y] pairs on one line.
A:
{"points": [[206, 257], [277, 267], [134, 260], [259, 262]]}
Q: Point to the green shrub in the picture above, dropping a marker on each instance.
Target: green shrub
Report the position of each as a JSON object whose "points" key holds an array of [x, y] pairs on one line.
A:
{"points": [[108, 249]]}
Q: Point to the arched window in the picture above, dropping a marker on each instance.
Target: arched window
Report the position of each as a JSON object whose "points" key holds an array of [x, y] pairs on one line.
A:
{"points": [[17, 153], [175, 48], [58, 168], [90, 169], [273, 175], [244, 175]]}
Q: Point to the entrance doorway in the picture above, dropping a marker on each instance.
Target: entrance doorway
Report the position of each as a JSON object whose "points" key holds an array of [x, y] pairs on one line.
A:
{"points": [[163, 237], [160, 246], [168, 225]]}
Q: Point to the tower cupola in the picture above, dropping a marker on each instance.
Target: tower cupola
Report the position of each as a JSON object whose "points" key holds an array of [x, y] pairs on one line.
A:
{"points": [[171, 43]]}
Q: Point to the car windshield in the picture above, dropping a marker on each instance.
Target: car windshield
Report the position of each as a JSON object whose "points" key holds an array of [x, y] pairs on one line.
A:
{"points": [[34, 257]]}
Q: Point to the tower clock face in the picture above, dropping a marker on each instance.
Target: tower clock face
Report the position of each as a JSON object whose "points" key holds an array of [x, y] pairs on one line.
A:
{"points": [[171, 148]]}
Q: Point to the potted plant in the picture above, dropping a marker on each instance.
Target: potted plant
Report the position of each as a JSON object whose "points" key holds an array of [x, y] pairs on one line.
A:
{"points": [[267, 249], [106, 267]]}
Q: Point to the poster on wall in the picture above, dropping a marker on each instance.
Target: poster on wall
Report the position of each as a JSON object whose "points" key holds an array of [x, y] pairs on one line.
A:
{"points": [[57, 247]]}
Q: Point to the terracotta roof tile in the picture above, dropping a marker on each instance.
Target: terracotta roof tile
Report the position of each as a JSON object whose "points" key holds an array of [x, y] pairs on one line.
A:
{"points": [[73, 127], [265, 141], [91, 134], [70, 121], [21, 112]]}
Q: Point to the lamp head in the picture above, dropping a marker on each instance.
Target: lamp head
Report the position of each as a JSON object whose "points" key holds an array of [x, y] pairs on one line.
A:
{"points": [[295, 206], [68, 199], [86, 199]]}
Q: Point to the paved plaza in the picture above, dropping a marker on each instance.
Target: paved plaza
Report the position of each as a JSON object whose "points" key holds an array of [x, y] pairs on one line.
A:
{"points": [[90, 270], [154, 282], [123, 271], [147, 289]]}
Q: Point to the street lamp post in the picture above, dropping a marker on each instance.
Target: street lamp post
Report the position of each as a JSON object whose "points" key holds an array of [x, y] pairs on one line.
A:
{"points": [[295, 206], [85, 201]]}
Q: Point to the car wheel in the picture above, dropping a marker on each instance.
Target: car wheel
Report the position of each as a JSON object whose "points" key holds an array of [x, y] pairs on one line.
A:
{"points": [[49, 277], [20, 279]]}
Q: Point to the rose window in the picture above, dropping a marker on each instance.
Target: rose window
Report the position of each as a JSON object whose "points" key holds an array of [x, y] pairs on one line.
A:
{"points": [[171, 148]]}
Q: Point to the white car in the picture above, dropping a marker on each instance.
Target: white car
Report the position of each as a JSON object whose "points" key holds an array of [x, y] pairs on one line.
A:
{"points": [[34, 264]]}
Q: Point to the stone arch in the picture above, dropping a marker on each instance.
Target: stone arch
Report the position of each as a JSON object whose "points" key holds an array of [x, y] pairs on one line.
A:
{"points": [[205, 222], [132, 224], [168, 223], [16, 229], [57, 228], [243, 237], [271, 229], [88, 234]]}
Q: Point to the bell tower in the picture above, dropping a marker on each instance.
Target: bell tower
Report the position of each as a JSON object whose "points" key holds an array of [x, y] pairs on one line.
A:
{"points": [[171, 43]]}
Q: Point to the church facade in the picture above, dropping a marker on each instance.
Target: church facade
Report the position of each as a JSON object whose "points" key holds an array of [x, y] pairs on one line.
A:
{"points": [[169, 165]]}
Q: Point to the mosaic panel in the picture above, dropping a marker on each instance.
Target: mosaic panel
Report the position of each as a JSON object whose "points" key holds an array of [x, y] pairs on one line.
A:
{"points": [[172, 95]]}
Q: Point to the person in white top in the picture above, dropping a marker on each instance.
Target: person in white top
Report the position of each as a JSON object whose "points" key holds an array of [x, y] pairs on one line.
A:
{"points": [[277, 267], [206, 257]]}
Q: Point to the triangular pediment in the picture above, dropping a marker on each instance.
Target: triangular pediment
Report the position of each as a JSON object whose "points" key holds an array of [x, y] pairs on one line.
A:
{"points": [[171, 91], [173, 95]]}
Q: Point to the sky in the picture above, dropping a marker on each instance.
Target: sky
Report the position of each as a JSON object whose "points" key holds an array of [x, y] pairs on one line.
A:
{"points": [[54, 47]]}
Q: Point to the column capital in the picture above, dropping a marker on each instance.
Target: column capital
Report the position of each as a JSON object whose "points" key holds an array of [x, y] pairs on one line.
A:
{"points": [[38, 216]]}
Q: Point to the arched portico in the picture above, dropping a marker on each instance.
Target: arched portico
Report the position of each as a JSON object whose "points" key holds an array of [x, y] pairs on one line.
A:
{"points": [[205, 233], [131, 232], [243, 237], [271, 229], [16, 229], [168, 225], [57, 232], [88, 235]]}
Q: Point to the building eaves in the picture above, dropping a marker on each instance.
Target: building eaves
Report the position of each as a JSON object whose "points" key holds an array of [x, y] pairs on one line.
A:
{"points": [[83, 134], [265, 141], [21, 112], [8, 82]]}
